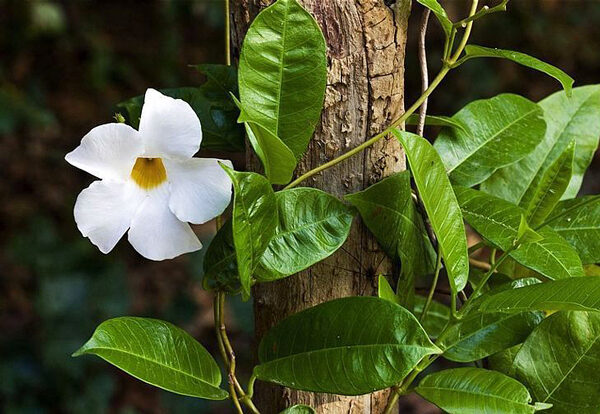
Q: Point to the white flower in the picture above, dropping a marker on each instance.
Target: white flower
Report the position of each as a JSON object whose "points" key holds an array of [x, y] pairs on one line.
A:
{"points": [[149, 182]]}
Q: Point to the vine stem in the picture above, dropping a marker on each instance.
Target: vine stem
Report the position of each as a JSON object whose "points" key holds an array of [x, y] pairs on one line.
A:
{"points": [[228, 355], [424, 70], [438, 267], [227, 35]]}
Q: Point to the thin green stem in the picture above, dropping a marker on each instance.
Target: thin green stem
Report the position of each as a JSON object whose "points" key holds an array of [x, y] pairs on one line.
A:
{"points": [[465, 38], [493, 257], [392, 400], [436, 276], [227, 35], [476, 247]]}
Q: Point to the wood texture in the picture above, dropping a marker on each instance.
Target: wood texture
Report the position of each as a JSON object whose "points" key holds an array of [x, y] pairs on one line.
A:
{"points": [[365, 93]]}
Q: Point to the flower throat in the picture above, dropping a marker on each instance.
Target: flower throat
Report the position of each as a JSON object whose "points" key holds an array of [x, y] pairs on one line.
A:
{"points": [[149, 173]]}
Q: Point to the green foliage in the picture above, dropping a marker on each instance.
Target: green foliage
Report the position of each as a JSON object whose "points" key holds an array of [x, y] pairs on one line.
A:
{"points": [[348, 346], [476, 390], [550, 188], [499, 221], [580, 293], [439, 13], [480, 335], [254, 221], [473, 51], [158, 353], [567, 119], [441, 206], [388, 211], [312, 225], [436, 120], [498, 132], [220, 263], [578, 222], [559, 362], [274, 68], [212, 104]]}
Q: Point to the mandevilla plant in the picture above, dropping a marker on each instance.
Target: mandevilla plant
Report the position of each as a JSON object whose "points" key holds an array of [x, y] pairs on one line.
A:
{"points": [[524, 323]]}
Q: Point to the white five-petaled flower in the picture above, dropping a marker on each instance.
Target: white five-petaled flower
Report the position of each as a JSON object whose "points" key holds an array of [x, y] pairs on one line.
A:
{"points": [[149, 182]]}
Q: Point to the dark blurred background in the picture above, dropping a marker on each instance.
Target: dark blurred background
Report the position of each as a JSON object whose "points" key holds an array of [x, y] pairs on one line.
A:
{"points": [[63, 67]]}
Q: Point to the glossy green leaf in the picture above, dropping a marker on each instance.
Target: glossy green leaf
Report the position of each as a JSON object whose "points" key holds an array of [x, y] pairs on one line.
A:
{"points": [[220, 263], [526, 234], [348, 346], [577, 293], [552, 256], [254, 220], [385, 291], [477, 336], [542, 199], [439, 13], [436, 120], [438, 316], [476, 390], [474, 51], [388, 211], [498, 132], [578, 222], [567, 119], [312, 225], [277, 159], [298, 409], [559, 362], [158, 353], [504, 361], [283, 53], [498, 221], [211, 102], [441, 206]]}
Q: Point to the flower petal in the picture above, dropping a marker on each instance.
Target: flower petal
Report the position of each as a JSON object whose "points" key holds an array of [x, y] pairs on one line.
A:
{"points": [[108, 151], [169, 127], [155, 231], [200, 188], [104, 210]]}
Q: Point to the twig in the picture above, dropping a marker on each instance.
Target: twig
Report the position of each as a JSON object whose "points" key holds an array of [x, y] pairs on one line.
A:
{"points": [[424, 71], [480, 264]]}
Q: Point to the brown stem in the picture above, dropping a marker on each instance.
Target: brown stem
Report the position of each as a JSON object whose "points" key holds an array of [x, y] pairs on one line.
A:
{"points": [[424, 71]]}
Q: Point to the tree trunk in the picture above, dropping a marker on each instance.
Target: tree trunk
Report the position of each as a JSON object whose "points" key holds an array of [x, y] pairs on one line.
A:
{"points": [[365, 93]]}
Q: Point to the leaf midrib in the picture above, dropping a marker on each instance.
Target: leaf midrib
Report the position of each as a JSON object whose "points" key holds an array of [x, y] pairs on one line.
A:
{"points": [[454, 390], [492, 137], [89, 350]]}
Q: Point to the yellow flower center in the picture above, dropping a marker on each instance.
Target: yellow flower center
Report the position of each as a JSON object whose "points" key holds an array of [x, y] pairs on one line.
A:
{"points": [[149, 173]]}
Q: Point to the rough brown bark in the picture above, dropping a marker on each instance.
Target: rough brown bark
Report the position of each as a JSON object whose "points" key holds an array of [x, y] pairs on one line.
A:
{"points": [[365, 93]]}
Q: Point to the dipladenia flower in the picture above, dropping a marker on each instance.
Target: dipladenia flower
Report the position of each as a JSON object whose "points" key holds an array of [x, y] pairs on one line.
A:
{"points": [[149, 182]]}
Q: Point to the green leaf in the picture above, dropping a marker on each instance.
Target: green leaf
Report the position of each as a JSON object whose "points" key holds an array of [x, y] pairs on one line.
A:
{"points": [[474, 51], [441, 206], [254, 220], [575, 118], [277, 159], [504, 361], [476, 390], [439, 13], [436, 120], [298, 409], [388, 211], [559, 362], [526, 234], [348, 346], [312, 225], [283, 53], [212, 104], [577, 293], [385, 291], [158, 353], [220, 263], [498, 132], [480, 335], [498, 221], [578, 222], [438, 316], [539, 202], [552, 256]]}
